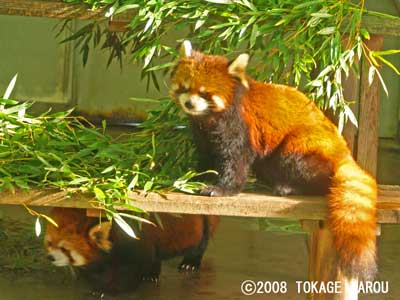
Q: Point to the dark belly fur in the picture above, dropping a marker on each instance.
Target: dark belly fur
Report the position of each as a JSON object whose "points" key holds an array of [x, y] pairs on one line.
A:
{"points": [[294, 173]]}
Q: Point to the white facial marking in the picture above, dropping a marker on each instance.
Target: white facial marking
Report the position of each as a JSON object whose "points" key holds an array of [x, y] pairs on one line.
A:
{"points": [[186, 84], [202, 89], [193, 104], [219, 102], [199, 103], [79, 260]]}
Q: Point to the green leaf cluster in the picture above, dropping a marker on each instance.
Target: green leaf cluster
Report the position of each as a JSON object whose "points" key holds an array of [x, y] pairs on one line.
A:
{"points": [[58, 150], [313, 44]]}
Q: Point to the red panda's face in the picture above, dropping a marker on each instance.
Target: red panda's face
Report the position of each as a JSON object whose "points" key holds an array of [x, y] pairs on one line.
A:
{"points": [[203, 84], [69, 249], [76, 241]]}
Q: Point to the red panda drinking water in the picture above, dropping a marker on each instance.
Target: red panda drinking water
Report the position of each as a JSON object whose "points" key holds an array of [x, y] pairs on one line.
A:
{"points": [[240, 124], [115, 262]]}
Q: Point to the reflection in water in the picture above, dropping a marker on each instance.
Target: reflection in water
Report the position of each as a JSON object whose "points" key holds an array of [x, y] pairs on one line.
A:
{"points": [[238, 252]]}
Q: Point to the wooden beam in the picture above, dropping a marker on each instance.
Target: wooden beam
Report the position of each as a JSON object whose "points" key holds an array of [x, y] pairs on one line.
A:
{"points": [[381, 25], [50, 9], [62, 10], [244, 205]]}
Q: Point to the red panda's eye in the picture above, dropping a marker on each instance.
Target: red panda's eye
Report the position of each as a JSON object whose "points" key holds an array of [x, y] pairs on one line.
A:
{"points": [[181, 90], [63, 249], [205, 96]]}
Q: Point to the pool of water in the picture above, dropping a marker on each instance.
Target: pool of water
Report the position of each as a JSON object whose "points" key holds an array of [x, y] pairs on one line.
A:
{"points": [[239, 251]]}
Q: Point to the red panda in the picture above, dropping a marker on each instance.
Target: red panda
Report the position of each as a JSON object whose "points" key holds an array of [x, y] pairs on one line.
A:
{"points": [[240, 124], [114, 262]]}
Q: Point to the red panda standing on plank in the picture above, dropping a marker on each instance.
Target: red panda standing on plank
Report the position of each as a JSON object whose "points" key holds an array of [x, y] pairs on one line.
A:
{"points": [[114, 262], [239, 123]]}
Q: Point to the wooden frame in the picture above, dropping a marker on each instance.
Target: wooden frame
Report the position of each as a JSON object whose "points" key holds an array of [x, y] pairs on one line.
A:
{"points": [[242, 205], [312, 211]]}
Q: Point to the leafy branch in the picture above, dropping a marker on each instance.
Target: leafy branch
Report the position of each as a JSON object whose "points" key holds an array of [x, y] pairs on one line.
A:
{"points": [[58, 150], [309, 44]]}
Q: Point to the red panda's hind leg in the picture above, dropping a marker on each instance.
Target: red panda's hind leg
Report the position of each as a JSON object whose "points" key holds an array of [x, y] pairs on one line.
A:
{"points": [[192, 257], [294, 173]]}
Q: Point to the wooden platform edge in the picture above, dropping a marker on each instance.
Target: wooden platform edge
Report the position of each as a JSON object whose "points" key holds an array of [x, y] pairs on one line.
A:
{"points": [[242, 205], [62, 10]]}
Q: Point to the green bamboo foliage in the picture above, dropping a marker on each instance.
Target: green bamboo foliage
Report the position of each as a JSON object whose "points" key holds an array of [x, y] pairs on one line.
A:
{"points": [[312, 44], [58, 150]]}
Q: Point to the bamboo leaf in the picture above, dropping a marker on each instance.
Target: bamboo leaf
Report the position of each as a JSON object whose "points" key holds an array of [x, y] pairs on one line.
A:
{"points": [[349, 113], [371, 74], [124, 226], [38, 227], [149, 56], [327, 30], [388, 63], [99, 194], [10, 87], [382, 82]]}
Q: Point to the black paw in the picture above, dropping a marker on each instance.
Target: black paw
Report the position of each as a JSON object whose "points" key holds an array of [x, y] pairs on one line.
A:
{"points": [[190, 264], [188, 267], [154, 279], [216, 191]]}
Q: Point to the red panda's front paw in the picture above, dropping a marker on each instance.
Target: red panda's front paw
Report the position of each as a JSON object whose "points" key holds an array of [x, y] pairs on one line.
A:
{"points": [[216, 191], [154, 279], [212, 191]]}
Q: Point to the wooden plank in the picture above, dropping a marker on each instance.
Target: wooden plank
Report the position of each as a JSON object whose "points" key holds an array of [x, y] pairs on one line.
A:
{"points": [[60, 9], [367, 143], [50, 9], [381, 25], [244, 205]]}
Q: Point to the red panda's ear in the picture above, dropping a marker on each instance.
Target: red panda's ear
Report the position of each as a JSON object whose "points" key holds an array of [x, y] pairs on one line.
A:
{"points": [[237, 68], [99, 235], [186, 49]]}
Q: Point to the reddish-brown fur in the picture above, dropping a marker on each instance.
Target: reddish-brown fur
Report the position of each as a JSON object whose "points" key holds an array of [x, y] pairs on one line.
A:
{"points": [[112, 267], [178, 233], [72, 230], [281, 119]]}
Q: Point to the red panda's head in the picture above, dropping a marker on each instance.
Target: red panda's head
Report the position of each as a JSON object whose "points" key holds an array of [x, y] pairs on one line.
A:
{"points": [[78, 240], [204, 84]]}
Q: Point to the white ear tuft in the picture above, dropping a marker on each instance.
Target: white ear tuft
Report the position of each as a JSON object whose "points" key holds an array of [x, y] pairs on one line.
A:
{"points": [[238, 68], [239, 64], [186, 49]]}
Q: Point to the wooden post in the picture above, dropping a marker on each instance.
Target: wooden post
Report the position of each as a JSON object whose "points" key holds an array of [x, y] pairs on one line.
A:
{"points": [[322, 261], [367, 142]]}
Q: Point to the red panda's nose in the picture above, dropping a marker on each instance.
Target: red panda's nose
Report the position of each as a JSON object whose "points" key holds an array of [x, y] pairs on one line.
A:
{"points": [[51, 258], [189, 105]]}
